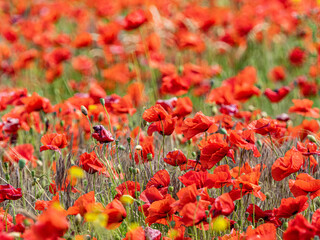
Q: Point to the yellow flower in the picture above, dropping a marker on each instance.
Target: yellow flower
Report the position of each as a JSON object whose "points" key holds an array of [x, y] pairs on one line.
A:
{"points": [[219, 224], [76, 172]]}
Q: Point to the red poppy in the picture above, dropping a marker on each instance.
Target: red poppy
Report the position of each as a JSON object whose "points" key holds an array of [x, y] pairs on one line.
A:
{"points": [[174, 84], [51, 224], [198, 124], [116, 214], [101, 134], [266, 231], [155, 113], [42, 205], [304, 107], [245, 140], [316, 220], [81, 205], [127, 188], [163, 127], [223, 205], [299, 228], [220, 177], [146, 144], [183, 107], [297, 56], [148, 196], [136, 233], [193, 177], [265, 126], [8, 192], [214, 150], [37, 103], [91, 164], [194, 213], [276, 95], [304, 185], [135, 20], [284, 166], [160, 180], [23, 151], [161, 211], [267, 216], [53, 141], [82, 40], [175, 158], [291, 206], [277, 73]]}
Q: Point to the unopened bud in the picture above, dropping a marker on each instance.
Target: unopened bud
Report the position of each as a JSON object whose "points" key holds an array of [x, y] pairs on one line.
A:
{"points": [[102, 101], [84, 110], [170, 189], [78, 219], [223, 131], [259, 143], [22, 163], [100, 117], [312, 138], [149, 156], [138, 147]]}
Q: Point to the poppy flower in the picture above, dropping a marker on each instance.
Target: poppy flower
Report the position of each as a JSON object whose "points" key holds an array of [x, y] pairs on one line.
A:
{"points": [[214, 150], [8, 192], [198, 124], [90, 163], [127, 188], [307, 88], [193, 177], [42, 205], [53, 141], [163, 127], [116, 214], [299, 228], [51, 224], [291, 206], [135, 19], [284, 166], [174, 84], [81, 205], [146, 144], [183, 107], [297, 56], [101, 134], [223, 205], [23, 151], [82, 40], [175, 158], [11, 125], [277, 95], [245, 140], [136, 233], [277, 74], [264, 126], [161, 211], [304, 185], [304, 107], [266, 231], [160, 180], [148, 196], [220, 177], [194, 213], [267, 216], [37, 103], [316, 220], [155, 113], [168, 104]]}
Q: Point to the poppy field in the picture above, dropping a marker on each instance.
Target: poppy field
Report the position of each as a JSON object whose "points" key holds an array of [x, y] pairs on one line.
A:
{"points": [[159, 119]]}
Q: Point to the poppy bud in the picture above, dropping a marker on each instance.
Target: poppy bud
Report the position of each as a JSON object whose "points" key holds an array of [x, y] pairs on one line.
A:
{"points": [[7, 176], [214, 110], [26, 222], [61, 123], [39, 163], [87, 237], [121, 147], [137, 171], [78, 219], [316, 237], [39, 194], [102, 101], [207, 212], [100, 117], [85, 182], [172, 224], [84, 110], [198, 198], [223, 131], [130, 169], [149, 156], [170, 189], [138, 147], [285, 225], [22, 163], [194, 154], [32, 173], [259, 143], [6, 165], [209, 207], [209, 219], [312, 138]]}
